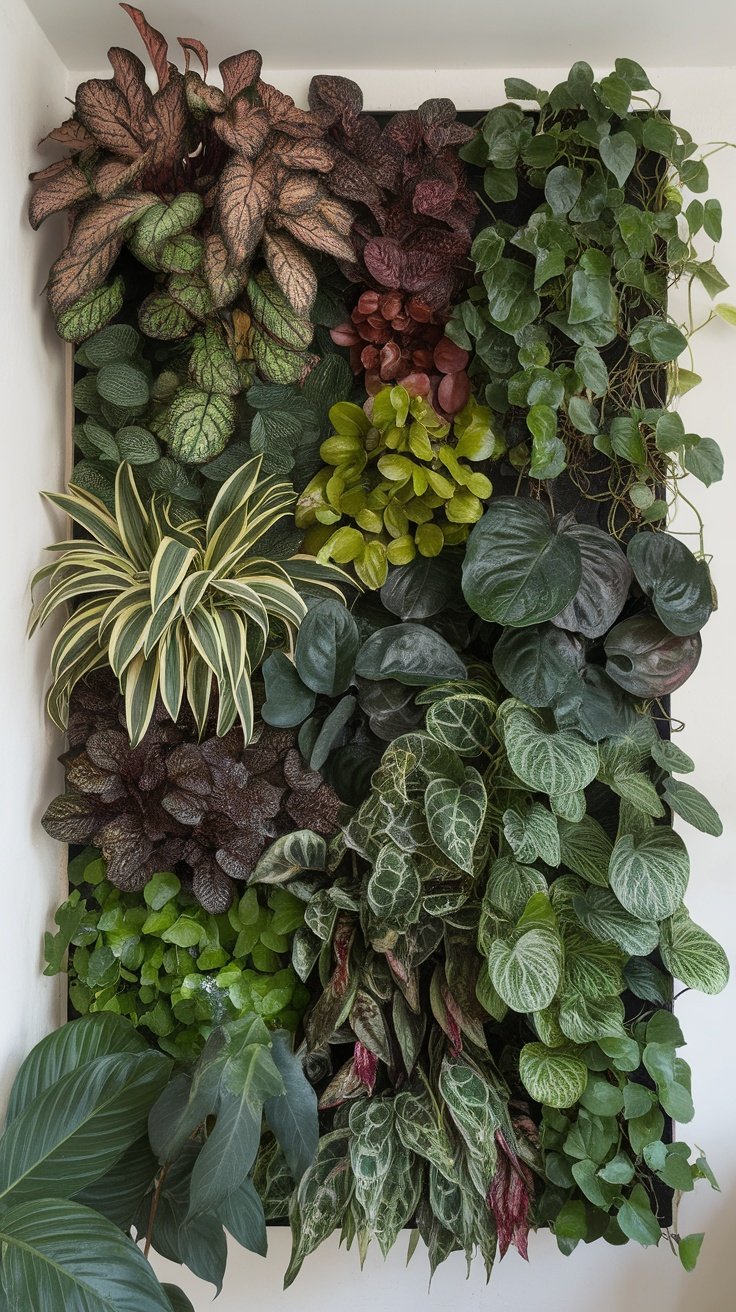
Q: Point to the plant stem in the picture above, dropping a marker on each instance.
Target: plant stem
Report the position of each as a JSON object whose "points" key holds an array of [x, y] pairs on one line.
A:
{"points": [[160, 1178]]}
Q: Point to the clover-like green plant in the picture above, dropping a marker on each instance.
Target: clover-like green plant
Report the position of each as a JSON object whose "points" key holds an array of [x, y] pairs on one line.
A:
{"points": [[173, 607], [399, 471]]}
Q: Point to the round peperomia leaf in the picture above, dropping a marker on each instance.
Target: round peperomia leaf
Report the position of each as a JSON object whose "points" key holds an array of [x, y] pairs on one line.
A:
{"points": [[199, 425], [553, 1078], [603, 916], [518, 570], [649, 873], [410, 653], [648, 660], [676, 581], [326, 647], [535, 663], [604, 584]]}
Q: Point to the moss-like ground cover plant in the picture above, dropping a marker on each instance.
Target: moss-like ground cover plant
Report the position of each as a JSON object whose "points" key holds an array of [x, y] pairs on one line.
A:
{"points": [[373, 614]]}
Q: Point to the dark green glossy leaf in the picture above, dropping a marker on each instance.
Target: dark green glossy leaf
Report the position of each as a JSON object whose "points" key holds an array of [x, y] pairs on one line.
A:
{"points": [[517, 570]]}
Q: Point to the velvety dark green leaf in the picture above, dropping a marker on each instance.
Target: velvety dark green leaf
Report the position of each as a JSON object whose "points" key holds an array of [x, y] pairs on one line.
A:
{"points": [[675, 580], [535, 663], [647, 659], [326, 647], [408, 652], [604, 584], [517, 570], [423, 588], [288, 700]]}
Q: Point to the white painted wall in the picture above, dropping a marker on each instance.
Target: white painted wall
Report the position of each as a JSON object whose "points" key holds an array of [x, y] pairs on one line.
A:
{"points": [[32, 79]]}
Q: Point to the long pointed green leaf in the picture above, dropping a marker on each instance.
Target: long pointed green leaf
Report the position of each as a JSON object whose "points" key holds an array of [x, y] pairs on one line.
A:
{"points": [[90, 513], [169, 569], [132, 517], [61, 1257]]}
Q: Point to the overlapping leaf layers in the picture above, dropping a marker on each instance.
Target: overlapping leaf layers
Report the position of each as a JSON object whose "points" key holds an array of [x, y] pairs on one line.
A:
{"points": [[379, 794]]}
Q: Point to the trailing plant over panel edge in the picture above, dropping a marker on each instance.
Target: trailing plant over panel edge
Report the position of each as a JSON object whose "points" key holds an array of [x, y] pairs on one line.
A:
{"points": [[446, 796]]}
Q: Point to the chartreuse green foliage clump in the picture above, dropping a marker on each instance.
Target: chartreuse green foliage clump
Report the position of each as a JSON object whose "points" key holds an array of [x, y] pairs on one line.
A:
{"points": [[401, 473], [173, 969]]}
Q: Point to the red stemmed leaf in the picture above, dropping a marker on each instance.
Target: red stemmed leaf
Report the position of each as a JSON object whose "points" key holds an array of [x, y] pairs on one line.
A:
{"points": [[70, 133], [245, 195], [190, 44], [240, 71], [156, 44], [66, 184], [244, 127], [93, 246], [104, 112], [291, 269], [129, 76], [325, 228]]}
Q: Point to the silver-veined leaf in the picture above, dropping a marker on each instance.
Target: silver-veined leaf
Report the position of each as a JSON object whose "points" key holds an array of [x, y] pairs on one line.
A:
{"points": [[649, 873], [553, 1078]]}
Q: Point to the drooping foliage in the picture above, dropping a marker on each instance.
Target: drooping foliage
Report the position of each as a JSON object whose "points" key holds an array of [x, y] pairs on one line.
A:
{"points": [[376, 606]]}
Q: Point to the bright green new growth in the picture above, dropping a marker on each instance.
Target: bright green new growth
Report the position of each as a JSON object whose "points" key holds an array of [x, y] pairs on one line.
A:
{"points": [[167, 965], [400, 472], [172, 607]]}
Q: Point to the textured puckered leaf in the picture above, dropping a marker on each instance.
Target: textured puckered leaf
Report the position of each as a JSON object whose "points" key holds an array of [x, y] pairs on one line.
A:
{"points": [[455, 816], [602, 914], [410, 653], [527, 973], [244, 199], [650, 874], [559, 763], [278, 336], [163, 221], [585, 848], [517, 569], [533, 834], [211, 364], [464, 722], [160, 316], [92, 248], [200, 424], [57, 1255], [394, 888], [692, 955], [474, 1109], [604, 585], [291, 270], [510, 885], [555, 1079], [592, 968], [90, 312], [61, 185]]}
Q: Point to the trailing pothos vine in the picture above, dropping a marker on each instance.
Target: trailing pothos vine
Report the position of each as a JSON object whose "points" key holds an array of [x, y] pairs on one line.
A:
{"points": [[372, 619]]}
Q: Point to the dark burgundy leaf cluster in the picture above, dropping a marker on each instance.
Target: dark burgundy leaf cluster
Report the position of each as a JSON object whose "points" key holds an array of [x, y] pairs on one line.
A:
{"points": [[204, 809], [397, 338], [412, 234]]}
